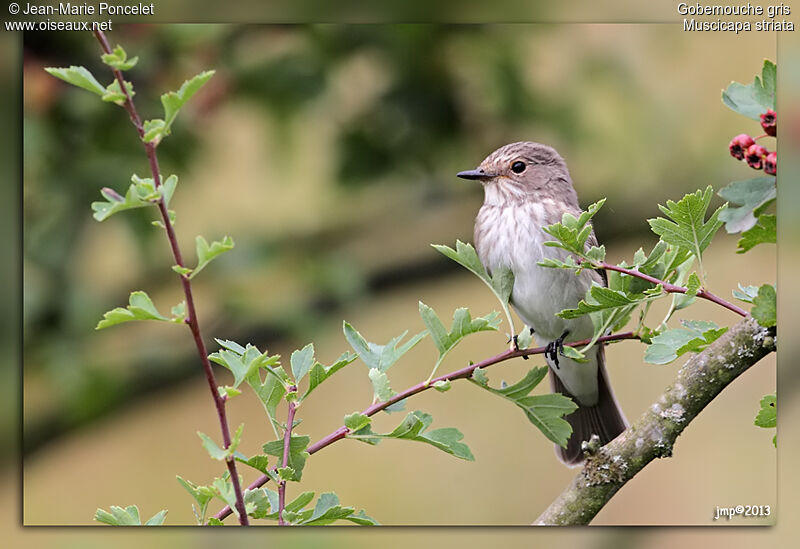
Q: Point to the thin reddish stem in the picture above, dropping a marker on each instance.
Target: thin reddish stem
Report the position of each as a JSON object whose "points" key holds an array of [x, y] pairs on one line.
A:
{"points": [[674, 289], [287, 443], [463, 373], [191, 317]]}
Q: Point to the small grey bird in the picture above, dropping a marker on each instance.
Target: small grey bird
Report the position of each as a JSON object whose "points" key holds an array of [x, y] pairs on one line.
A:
{"points": [[526, 187]]}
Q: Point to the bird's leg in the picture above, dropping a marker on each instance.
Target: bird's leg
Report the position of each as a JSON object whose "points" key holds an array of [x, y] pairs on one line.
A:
{"points": [[555, 348]]}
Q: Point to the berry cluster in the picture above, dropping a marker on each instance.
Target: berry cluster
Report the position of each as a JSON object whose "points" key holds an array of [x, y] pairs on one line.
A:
{"points": [[744, 147]]}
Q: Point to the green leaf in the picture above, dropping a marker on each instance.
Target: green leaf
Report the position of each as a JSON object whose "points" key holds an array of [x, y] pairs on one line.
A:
{"points": [[259, 463], [118, 59], [270, 392], [688, 228], [544, 411], [762, 233], [463, 325], [154, 130], [223, 489], [571, 234], [244, 362], [414, 427], [380, 357], [116, 203], [173, 101], [215, 451], [214, 521], [183, 271], [362, 519], [500, 282], [764, 306], [141, 193], [140, 308], [299, 502], [754, 99], [600, 298], [297, 453], [380, 385], [326, 511], [443, 385], [694, 337], [129, 516], [692, 287], [157, 519], [356, 421], [302, 361], [746, 293], [114, 93], [574, 354], [201, 494], [226, 391], [320, 372], [78, 76], [768, 414], [748, 196], [206, 252]]}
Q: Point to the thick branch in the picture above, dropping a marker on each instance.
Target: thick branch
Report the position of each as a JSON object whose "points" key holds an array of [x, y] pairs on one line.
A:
{"points": [[701, 379], [463, 373], [191, 318], [674, 288]]}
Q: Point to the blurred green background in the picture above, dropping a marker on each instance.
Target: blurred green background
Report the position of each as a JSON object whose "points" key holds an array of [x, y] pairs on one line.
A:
{"points": [[329, 152]]}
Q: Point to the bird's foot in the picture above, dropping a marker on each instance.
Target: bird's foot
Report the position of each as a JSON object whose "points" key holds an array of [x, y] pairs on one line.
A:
{"points": [[556, 348]]}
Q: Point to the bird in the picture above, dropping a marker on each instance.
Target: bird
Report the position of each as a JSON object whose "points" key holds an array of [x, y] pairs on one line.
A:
{"points": [[527, 186]]}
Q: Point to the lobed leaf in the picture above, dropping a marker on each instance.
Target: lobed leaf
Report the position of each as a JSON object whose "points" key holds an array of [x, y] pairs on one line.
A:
{"points": [[157, 129], [767, 416], [206, 252], [748, 195], [302, 361], [687, 226], [500, 282], [414, 427], [463, 325], [297, 453], [140, 307], [764, 232], [246, 364], [694, 337], [544, 411], [754, 99], [129, 516], [746, 293], [319, 372], [380, 357], [764, 306], [201, 494], [114, 94], [118, 59]]}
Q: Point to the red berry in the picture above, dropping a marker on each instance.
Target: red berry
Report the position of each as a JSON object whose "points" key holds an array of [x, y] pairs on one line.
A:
{"points": [[771, 163], [739, 145], [754, 156], [769, 121]]}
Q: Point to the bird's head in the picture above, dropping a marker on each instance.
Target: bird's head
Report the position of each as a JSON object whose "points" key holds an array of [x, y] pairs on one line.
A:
{"points": [[523, 171]]}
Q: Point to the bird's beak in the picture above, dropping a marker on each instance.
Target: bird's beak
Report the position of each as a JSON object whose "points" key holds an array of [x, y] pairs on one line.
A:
{"points": [[478, 174]]}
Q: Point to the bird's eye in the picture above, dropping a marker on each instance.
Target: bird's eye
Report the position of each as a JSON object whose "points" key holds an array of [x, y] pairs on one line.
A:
{"points": [[518, 167]]}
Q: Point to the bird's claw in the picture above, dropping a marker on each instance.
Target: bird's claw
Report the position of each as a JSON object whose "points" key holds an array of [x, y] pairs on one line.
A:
{"points": [[556, 348]]}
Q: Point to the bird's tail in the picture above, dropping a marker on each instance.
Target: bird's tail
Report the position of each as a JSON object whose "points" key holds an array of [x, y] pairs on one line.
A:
{"points": [[605, 419]]}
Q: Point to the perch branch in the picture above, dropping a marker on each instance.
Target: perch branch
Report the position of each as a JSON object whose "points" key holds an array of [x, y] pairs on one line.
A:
{"points": [[463, 373], [653, 436]]}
